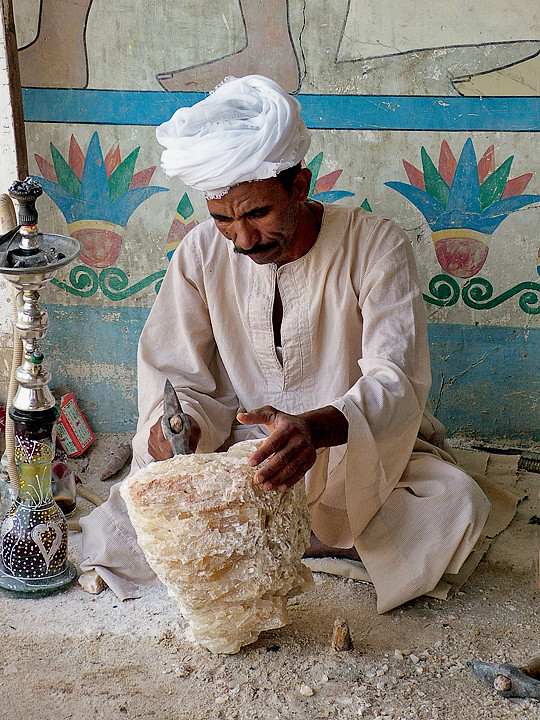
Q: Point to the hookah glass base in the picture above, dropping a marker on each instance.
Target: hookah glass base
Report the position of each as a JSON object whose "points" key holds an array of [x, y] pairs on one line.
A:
{"points": [[34, 532], [37, 587]]}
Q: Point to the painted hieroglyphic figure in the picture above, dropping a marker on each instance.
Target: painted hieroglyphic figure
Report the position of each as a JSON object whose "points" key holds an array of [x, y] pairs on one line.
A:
{"points": [[484, 53], [518, 79], [383, 46], [268, 50], [57, 56]]}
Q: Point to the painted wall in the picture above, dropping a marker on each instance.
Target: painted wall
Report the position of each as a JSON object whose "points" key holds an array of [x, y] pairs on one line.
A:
{"points": [[421, 113]]}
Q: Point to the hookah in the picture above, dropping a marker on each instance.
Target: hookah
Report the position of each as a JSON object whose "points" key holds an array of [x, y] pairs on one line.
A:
{"points": [[34, 530]]}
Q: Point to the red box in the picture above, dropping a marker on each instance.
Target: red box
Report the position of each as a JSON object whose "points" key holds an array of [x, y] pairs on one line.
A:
{"points": [[72, 431]]}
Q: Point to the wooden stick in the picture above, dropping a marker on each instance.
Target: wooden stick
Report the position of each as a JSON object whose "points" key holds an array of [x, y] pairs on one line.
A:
{"points": [[89, 495]]}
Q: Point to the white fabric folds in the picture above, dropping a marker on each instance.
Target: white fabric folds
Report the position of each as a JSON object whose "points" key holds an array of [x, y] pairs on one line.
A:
{"points": [[246, 129]]}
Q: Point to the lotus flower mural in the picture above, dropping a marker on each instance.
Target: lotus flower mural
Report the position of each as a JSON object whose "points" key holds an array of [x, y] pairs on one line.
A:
{"points": [[322, 188], [464, 202], [96, 195], [184, 221]]}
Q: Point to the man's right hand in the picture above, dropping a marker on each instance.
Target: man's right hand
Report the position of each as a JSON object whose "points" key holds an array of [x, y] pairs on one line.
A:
{"points": [[160, 449]]}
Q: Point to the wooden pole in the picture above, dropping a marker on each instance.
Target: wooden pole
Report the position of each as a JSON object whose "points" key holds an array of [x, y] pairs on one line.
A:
{"points": [[15, 92]]}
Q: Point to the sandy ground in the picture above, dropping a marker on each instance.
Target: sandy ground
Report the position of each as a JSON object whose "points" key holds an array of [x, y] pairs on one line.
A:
{"points": [[75, 655]]}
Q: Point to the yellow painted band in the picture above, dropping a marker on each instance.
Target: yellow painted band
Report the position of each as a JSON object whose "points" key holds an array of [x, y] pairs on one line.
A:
{"points": [[99, 224], [460, 233]]}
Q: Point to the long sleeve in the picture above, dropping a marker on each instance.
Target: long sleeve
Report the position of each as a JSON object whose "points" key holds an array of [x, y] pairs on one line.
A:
{"points": [[177, 343], [384, 406]]}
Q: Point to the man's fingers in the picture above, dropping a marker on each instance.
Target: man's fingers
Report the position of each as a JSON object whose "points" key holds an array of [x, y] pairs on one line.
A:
{"points": [[302, 470], [289, 449], [281, 454], [282, 484], [285, 469], [271, 446], [158, 447], [265, 415]]}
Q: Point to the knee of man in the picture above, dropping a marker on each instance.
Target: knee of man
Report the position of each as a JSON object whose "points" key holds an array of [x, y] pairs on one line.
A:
{"points": [[468, 498]]}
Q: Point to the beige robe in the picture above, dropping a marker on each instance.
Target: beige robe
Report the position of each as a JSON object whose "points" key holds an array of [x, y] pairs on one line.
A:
{"points": [[353, 335]]}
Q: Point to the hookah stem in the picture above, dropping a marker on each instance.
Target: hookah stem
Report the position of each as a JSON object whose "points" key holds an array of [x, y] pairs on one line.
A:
{"points": [[12, 389], [8, 221]]}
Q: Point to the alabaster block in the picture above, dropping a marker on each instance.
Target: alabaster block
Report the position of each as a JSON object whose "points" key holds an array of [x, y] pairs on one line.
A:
{"points": [[228, 551]]}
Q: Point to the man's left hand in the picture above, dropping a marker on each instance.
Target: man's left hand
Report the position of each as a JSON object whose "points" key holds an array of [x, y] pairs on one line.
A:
{"points": [[292, 443]]}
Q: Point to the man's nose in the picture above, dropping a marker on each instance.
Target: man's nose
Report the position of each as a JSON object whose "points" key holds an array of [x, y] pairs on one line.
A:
{"points": [[245, 235]]}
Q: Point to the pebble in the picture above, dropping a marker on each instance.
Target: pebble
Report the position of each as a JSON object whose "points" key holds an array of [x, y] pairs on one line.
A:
{"points": [[92, 582], [183, 670], [240, 680], [398, 655], [306, 690], [414, 658]]}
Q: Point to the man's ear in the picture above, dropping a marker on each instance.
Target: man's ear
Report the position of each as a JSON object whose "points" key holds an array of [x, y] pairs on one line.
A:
{"points": [[301, 185]]}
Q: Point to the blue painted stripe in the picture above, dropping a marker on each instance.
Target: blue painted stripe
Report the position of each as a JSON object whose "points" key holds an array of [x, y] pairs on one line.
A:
{"points": [[486, 380], [344, 112], [92, 351]]}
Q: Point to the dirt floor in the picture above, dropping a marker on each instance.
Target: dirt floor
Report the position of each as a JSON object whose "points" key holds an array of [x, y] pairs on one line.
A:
{"points": [[75, 655]]}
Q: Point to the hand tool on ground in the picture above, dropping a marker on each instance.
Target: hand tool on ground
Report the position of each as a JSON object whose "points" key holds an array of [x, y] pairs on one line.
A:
{"points": [[175, 423], [118, 458], [509, 680]]}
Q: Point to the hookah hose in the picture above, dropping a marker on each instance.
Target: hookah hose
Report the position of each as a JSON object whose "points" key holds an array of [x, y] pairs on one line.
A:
{"points": [[8, 221]]}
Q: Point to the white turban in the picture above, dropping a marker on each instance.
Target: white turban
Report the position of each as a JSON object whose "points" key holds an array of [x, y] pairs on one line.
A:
{"points": [[246, 129]]}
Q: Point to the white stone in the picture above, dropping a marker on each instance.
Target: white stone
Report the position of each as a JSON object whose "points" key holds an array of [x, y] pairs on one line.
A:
{"points": [[228, 551], [92, 582]]}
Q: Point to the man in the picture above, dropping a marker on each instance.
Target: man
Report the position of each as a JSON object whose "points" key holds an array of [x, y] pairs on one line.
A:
{"points": [[303, 322]]}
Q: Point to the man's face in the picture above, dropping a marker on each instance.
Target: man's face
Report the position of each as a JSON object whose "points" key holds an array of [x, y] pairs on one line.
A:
{"points": [[261, 219]]}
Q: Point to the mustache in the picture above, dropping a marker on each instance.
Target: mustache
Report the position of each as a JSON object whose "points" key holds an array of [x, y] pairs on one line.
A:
{"points": [[256, 249]]}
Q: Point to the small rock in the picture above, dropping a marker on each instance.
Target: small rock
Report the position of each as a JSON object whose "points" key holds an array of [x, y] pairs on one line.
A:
{"points": [[92, 582], [341, 636], [306, 690], [414, 658], [502, 683], [398, 655], [183, 670]]}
